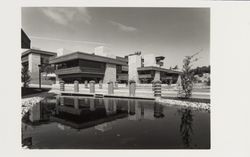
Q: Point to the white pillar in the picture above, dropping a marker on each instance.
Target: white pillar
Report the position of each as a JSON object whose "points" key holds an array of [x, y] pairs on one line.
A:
{"points": [[134, 62]]}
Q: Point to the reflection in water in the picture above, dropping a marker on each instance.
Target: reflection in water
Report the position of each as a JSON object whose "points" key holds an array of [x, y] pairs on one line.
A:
{"points": [[92, 104], [158, 110], [135, 121], [104, 127], [81, 114], [131, 106], [186, 125]]}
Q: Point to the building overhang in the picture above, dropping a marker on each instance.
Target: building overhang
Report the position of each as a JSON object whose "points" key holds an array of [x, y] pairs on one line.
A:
{"points": [[48, 53], [153, 68], [86, 56]]}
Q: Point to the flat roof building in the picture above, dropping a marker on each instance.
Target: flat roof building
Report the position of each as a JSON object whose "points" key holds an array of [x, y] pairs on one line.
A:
{"points": [[145, 69], [32, 58], [84, 66]]}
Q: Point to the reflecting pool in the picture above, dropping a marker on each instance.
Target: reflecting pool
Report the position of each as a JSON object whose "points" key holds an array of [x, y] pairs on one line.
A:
{"points": [[92, 123]]}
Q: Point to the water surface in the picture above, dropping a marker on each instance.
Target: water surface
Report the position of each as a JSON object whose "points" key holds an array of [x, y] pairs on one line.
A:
{"points": [[90, 123]]}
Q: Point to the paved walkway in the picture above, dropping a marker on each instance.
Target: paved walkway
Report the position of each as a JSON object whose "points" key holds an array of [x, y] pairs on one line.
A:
{"points": [[124, 91], [146, 93]]}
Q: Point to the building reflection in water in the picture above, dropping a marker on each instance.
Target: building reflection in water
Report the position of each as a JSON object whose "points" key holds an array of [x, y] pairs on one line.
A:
{"points": [[38, 114], [91, 104], [35, 112], [186, 129], [110, 106], [80, 113], [158, 110]]}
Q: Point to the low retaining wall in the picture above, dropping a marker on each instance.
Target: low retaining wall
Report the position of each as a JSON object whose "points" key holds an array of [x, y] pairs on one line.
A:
{"points": [[199, 105], [29, 102]]}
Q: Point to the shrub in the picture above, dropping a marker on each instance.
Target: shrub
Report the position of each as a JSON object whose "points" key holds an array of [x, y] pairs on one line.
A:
{"points": [[25, 76], [187, 77]]}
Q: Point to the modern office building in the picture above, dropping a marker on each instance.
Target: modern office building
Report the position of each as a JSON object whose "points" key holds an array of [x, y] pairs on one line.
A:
{"points": [[32, 58], [98, 66], [145, 69], [84, 66]]}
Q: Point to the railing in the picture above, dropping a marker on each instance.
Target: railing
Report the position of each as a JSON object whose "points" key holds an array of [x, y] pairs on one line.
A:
{"points": [[145, 76], [124, 68], [122, 76], [79, 70]]}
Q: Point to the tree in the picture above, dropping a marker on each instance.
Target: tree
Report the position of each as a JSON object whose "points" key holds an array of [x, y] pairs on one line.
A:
{"points": [[25, 76], [48, 69], [187, 77], [186, 126]]}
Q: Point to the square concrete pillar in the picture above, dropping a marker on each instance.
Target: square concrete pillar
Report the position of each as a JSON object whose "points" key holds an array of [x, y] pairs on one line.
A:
{"points": [[110, 73], [134, 62], [34, 61], [157, 76]]}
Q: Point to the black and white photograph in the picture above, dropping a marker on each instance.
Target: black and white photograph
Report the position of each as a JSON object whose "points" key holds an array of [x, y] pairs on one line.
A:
{"points": [[115, 78], [125, 78]]}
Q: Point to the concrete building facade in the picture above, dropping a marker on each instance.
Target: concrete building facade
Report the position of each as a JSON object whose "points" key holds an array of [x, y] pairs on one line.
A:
{"points": [[84, 66], [32, 59], [145, 69], [134, 62]]}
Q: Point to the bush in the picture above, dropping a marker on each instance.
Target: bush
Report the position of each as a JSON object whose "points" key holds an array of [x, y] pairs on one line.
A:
{"points": [[25, 76], [187, 77]]}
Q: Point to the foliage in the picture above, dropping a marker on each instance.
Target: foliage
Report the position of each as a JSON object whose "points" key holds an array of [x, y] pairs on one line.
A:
{"points": [[47, 68], [201, 70], [186, 128], [187, 77], [25, 76]]}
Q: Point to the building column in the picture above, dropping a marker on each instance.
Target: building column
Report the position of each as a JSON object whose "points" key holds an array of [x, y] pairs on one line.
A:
{"points": [[110, 73], [34, 60], [134, 62], [157, 76]]}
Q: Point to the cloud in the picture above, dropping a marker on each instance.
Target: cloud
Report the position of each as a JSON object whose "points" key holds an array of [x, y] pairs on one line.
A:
{"points": [[123, 27], [73, 41], [65, 16]]}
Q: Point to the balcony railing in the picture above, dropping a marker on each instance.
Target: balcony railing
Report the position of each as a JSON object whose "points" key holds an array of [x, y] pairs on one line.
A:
{"points": [[141, 76], [75, 70], [124, 68], [122, 76]]}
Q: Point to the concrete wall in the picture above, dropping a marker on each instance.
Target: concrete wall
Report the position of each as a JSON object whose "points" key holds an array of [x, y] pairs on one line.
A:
{"points": [[34, 61], [134, 62], [149, 60], [157, 75], [110, 73]]}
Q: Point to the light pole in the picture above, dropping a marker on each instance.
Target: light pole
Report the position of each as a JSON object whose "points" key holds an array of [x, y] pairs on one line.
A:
{"points": [[39, 66]]}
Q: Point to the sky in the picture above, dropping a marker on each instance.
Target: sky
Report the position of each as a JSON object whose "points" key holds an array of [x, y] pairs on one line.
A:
{"points": [[170, 32]]}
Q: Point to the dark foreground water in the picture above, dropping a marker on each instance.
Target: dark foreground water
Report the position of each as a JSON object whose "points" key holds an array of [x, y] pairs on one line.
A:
{"points": [[88, 123]]}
